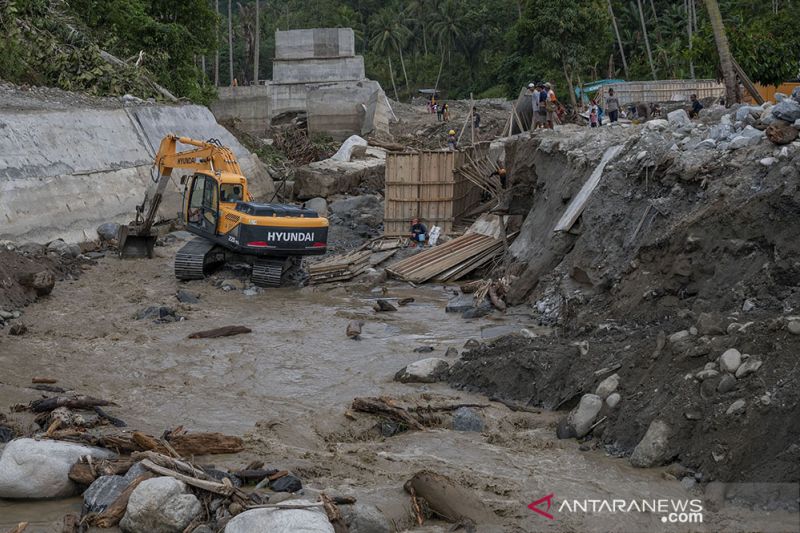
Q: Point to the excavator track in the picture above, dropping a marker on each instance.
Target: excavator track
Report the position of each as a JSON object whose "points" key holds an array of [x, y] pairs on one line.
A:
{"points": [[191, 259], [268, 272]]}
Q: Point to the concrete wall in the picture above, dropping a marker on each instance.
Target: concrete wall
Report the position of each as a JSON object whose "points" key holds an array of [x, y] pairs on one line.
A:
{"points": [[344, 109], [314, 43], [289, 98], [62, 173], [318, 70], [250, 105]]}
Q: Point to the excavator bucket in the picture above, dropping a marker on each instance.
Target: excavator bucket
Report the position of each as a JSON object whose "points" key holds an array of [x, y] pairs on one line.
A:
{"points": [[135, 244]]}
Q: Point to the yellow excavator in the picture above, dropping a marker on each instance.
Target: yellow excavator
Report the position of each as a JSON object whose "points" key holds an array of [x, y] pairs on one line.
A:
{"points": [[219, 209]]}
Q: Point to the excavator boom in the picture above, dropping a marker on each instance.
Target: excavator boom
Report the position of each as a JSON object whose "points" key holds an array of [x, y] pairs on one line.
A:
{"points": [[137, 239]]}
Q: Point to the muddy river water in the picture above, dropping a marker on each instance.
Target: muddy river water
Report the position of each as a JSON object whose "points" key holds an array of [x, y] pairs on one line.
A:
{"points": [[286, 387]]}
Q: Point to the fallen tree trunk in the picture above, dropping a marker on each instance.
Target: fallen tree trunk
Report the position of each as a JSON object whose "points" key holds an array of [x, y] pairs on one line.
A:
{"points": [[210, 486], [224, 331], [334, 515], [72, 402], [85, 473], [384, 406]]}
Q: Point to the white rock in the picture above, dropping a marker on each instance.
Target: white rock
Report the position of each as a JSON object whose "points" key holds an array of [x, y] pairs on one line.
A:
{"points": [[768, 161], [320, 205], [641, 155], [794, 327], [735, 407], [706, 374], [160, 505], [345, 152], [748, 305], [613, 400], [652, 449], [424, 371], [711, 365], [607, 386], [39, 469], [730, 360], [678, 118], [748, 367], [657, 124], [693, 331], [280, 521], [707, 143], [796, 124], [679, 336], [582, 417]]}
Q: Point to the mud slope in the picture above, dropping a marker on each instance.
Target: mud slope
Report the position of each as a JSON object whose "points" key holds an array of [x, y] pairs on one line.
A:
{"points": [[698, 240]]}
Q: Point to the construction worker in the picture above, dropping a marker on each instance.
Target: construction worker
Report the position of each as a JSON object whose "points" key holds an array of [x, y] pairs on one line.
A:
{"points": [[446, 112], [451, 140], [419, 233], [696, 106]]}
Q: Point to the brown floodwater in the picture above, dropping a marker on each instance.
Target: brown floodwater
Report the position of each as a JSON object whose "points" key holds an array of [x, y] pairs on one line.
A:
{"points": [[287, 385]]}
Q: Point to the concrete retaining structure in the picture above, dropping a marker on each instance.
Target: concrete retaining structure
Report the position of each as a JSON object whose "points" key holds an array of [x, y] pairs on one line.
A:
{"points": [[316, 72], [249, 106], [64, 172], [315, 43]]}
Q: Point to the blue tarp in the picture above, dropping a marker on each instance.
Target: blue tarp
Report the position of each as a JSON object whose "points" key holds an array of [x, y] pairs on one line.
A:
{"points": [[586, 88]]}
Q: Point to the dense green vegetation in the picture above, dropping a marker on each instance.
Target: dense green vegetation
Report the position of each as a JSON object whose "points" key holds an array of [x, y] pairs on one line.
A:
{"points": [[487, 47]]}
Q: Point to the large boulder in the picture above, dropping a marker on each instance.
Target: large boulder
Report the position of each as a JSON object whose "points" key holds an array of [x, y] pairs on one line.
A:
{"points": [[366, 518], [42, 282], [160, 505], [40, 469], [102, 493], [583, 416], [678, 118], [356, 208], [108, 231], [781, 132], [345, 152], [788, 110], [280, 521], [652, 449], [425, 371], [320, 205]]}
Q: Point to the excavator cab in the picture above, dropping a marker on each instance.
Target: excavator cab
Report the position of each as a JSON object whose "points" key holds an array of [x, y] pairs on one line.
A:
{"points": [[201, 204]]}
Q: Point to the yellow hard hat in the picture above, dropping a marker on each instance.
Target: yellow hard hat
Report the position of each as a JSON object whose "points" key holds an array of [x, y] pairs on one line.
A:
{"points": [[451, 132]]}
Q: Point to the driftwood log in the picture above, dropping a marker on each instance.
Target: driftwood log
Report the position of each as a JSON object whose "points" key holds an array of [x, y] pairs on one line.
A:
{"points": [[334, 514], [85, 472], [185, 445], [224, 331], [386, 407], [72, 402], [39, 379], [447, 499], [19, 528]]}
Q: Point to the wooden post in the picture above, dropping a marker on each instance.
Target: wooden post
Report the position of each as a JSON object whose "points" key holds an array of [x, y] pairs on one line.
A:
{"points": [[748, 84], [471, 119]]}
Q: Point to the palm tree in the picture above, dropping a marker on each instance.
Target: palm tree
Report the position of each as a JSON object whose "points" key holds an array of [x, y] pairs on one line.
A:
{"points": [[257, 46], [646, 40], [619, 40], [216, 44], [448, 30], [230, 41], [390, 34], [723, 49]]}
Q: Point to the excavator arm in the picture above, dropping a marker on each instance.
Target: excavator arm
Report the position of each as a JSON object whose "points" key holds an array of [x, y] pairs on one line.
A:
{"points": [[136, 239]]}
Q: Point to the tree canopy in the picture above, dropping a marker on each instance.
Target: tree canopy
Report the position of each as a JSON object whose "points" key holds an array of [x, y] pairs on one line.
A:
{"points": [[487, 47]]}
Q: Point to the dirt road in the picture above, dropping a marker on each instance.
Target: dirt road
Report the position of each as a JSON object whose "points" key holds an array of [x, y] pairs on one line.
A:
{"points": [[287, 385]]}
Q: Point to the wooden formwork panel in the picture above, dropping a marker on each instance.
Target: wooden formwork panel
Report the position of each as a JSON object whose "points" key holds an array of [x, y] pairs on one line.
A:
{"points": [[423, 185], [664, 90]]}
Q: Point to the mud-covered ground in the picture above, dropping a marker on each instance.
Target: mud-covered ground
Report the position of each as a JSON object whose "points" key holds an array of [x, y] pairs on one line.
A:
{"points": [[287, 386]]}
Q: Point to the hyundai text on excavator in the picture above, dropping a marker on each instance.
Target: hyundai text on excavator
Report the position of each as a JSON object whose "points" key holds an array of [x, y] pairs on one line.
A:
{"points": [[219, 209]]}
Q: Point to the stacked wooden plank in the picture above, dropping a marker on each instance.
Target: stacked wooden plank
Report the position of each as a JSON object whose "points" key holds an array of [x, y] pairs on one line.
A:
{"points": [[449, 261], [339, 267]]}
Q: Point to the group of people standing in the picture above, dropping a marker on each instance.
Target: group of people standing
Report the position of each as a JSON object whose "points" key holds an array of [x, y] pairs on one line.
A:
{"points": [[442, 109], [544, 103]]}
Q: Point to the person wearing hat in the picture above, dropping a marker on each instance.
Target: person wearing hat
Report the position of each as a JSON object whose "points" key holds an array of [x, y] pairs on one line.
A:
{"points": [[451, 140]]}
